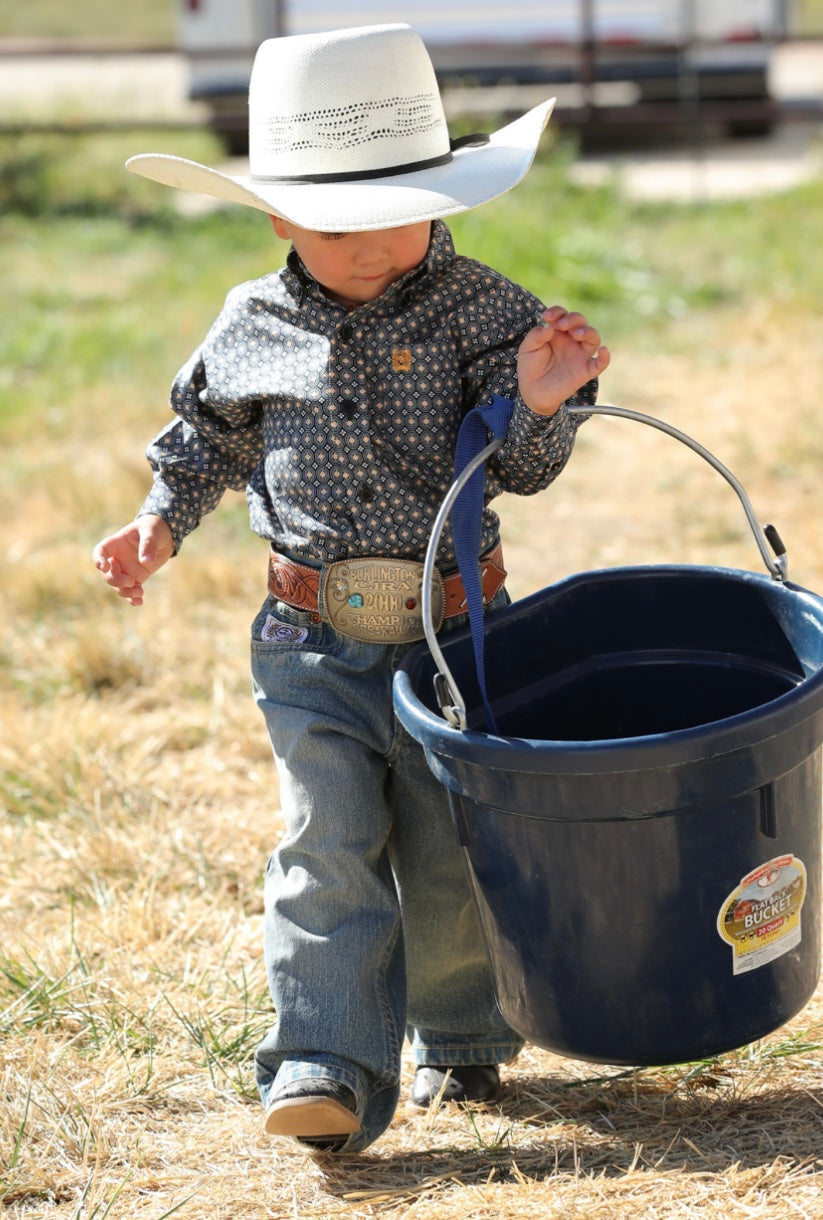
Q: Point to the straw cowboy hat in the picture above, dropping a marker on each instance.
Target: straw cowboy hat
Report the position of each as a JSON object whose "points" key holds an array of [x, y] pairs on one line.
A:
{"points": [[347, 132]]}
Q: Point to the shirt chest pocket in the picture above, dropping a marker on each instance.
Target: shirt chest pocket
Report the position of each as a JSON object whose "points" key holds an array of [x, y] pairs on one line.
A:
{"points": [[416, 402]]}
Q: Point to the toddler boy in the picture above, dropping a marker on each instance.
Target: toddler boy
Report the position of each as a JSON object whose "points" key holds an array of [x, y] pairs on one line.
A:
{"points": [[332, 391]]}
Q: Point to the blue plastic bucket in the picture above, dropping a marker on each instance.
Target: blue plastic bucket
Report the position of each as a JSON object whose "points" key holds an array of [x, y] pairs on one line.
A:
{"points": [[642, 833]]}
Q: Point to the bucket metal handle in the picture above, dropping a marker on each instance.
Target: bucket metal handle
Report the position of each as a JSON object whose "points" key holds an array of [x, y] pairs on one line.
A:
{"points": [[769, 543]]}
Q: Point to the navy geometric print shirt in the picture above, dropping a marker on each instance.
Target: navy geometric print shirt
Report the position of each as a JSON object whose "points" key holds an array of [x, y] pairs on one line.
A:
{"points": [[341, 425]]}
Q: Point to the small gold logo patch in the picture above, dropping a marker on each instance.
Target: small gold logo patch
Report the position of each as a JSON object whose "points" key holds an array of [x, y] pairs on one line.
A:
{"points": [[401, 359]]}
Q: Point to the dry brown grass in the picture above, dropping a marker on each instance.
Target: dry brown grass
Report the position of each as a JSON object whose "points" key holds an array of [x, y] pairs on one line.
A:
{"points": [[141, 805]]}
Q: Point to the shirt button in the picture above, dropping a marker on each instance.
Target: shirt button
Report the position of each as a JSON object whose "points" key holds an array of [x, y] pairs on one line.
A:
{"points": [[348, 407], [345, 332], [366, 494]]}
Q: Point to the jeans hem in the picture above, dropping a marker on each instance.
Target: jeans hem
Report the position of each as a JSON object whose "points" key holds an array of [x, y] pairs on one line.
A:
{"points": [[464, 1055]]}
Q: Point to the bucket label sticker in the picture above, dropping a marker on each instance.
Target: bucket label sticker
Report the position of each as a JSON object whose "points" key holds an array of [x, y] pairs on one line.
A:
{"points": [[760, 919]]}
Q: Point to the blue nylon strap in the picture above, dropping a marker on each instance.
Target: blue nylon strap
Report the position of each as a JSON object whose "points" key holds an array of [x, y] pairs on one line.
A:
{"points": [[492, 417]]}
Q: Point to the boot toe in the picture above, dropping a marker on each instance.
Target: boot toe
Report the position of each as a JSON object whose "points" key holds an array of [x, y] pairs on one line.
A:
{"points": [[318, 1113], [461, 1083]]}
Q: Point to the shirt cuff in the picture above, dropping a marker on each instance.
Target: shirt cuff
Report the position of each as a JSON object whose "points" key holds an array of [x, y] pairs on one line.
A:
{"points": [[160, 503], [526, 427]]}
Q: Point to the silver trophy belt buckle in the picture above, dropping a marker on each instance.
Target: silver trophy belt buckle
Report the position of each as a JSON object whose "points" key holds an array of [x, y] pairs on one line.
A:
{"points": [[378, 601]]}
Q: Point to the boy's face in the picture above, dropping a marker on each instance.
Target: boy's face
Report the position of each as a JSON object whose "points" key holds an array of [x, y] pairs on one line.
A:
{"points": [[357, 267]]}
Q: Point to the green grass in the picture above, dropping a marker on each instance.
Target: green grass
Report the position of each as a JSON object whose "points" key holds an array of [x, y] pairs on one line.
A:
{"points": [[808, 17], [86, 246], [150, 21]]}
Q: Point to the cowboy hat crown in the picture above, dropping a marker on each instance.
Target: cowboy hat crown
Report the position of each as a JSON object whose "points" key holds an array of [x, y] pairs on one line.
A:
{"points": [[347, 131]]}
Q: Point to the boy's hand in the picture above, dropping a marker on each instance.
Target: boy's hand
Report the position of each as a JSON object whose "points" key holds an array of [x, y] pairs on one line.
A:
{"points": [[128, 558], [556, 358]]}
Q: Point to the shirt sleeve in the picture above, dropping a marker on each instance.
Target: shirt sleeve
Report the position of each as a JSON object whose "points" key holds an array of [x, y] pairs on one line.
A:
{"points": [[537, 447], [212, 446]]}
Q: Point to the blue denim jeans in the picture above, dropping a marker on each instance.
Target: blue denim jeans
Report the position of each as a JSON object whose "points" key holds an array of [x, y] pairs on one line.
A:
{"points": [[370, 927]]}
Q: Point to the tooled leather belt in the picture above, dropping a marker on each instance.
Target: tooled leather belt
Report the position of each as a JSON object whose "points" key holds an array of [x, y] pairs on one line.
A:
{"points": [[378, 600]]}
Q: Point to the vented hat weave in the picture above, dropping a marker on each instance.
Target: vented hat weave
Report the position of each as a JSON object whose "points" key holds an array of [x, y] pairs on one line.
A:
{"points": [[347, 132]]}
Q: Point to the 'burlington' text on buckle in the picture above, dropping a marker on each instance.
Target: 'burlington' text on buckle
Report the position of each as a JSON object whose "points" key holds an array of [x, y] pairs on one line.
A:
{"points": [[379, 601]]}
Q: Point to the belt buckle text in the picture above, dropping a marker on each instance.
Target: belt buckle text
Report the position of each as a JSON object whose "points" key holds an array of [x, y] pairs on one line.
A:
{"points": [[379, 601]]}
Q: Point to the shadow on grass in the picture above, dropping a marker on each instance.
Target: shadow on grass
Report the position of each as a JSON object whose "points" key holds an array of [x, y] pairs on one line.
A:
{"points": [[550, 1129]]}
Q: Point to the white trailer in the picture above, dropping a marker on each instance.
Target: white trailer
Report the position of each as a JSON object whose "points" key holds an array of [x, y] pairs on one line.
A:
{"points": [[667, 55]]}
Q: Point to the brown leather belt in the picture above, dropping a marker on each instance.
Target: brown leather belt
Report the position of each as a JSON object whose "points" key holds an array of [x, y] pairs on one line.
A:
{"points": [[376, 599]]}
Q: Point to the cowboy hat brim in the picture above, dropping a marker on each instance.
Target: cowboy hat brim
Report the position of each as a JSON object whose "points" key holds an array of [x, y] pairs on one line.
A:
{"points": [[474, 175]]}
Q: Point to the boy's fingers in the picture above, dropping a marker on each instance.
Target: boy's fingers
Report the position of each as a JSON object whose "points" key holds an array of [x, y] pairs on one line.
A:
{"points": [[537, 337], [585, 333], [571, 322], [601, 358], [586, 337], [118, 578], [101, 556], [147, 542], [554, 313], [559, 319]]}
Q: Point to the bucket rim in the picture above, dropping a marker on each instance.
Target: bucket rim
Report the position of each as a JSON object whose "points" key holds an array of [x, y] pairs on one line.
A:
{"points": [[656, 749], [785, 713]]}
